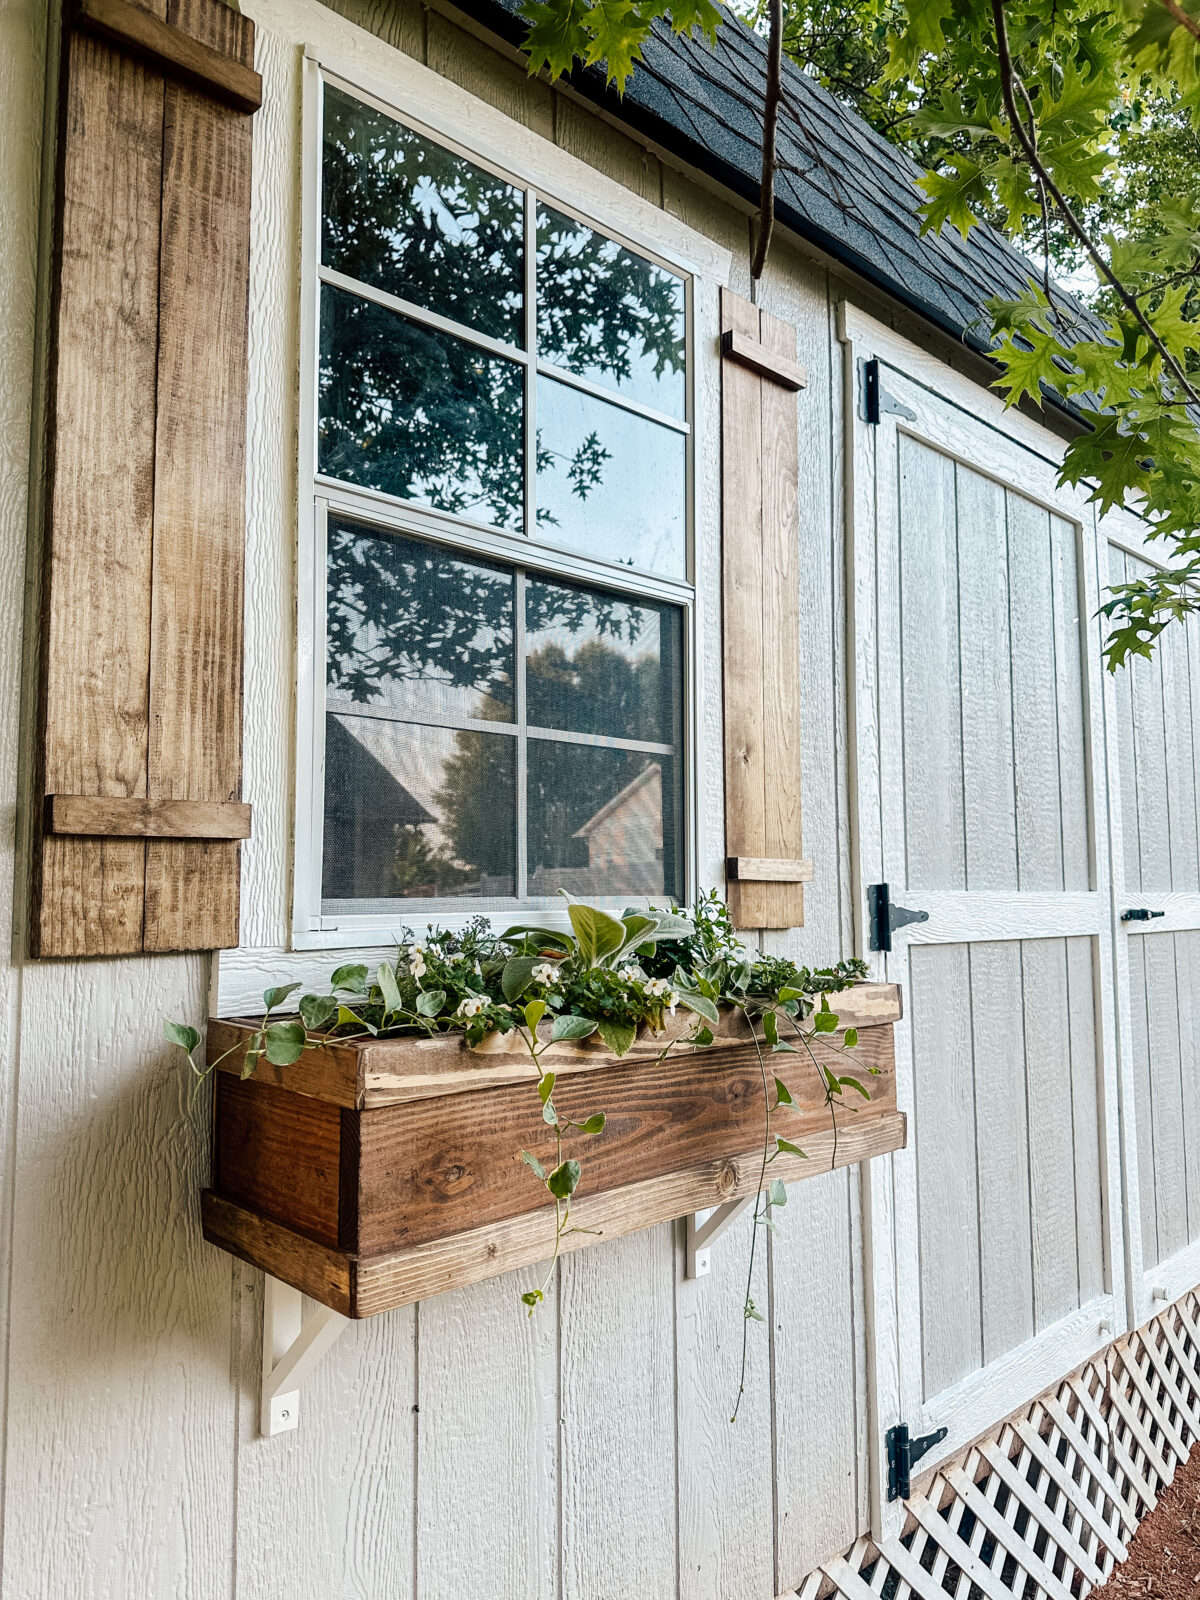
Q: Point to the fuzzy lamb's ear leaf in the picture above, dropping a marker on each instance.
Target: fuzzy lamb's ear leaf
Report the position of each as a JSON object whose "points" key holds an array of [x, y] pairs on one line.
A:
{"points": [[569, 1026], [390, 989], [599, 935], [700, 1004], [530, 930], [517, 974], [618, 1036]]}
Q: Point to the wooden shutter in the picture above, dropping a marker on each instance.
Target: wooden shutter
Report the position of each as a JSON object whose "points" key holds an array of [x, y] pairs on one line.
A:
{"points": [[760, 380], [141, 653]]}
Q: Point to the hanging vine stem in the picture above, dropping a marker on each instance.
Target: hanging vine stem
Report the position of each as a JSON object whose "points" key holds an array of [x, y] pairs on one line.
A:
{"points": [[1010, 81], [771, 99]]}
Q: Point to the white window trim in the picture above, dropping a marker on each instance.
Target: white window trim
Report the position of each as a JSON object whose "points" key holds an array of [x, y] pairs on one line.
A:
{"points": [[311, 928]]}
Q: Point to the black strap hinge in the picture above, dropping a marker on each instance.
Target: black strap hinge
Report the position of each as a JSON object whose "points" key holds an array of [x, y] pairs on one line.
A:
{"points": [[883, 918], [875, 399], [902, 1453], [1140, 914]]}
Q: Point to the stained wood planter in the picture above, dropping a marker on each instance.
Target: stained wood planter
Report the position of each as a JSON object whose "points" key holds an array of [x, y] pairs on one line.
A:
{"points": [[373, 1174]]}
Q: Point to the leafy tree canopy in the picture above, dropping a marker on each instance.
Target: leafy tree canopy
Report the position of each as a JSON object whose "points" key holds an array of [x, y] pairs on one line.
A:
{"points": [[1073, 126]]}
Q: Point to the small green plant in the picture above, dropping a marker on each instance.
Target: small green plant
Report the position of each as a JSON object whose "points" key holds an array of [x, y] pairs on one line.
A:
{"points": [[609, 976]]}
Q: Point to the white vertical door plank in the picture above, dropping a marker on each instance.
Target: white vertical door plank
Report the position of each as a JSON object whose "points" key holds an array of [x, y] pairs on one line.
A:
{"points": [[328, 1509], [1150, 768], [1002, 1149], [1121, 690], [1166, 1093], [726, 1520], [816, 1424], [1035, 708], [1179, 715], [932, 712], [619, 1360], [1139, 1000], [1071, 702], [487, 1443], [1187, 991], [951, 1335], [1051, 1157], [989, 784], [1086, 1080]]}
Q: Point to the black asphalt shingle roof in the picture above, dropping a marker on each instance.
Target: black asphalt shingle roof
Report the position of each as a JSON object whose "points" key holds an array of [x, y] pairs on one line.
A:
{"points": [[839, 184]]}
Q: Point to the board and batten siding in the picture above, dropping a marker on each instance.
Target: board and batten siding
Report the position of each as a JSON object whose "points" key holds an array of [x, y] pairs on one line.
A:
{"points": [[453, 1447]]}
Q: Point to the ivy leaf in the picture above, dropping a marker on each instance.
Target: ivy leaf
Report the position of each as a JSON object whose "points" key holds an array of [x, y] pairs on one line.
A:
{"points": [[853, 1083], [534, 1165], [594, 1124], [752, 1313], [430, 1002], [549, 1114], [276, 997], [783, 1095], [316, 1010], [386, 979], [531, 1298], [546, 1086], [777, 1194], [771, 1028], [250, 1061], [703, 1039], [352, 978], [283, 1042], [570, 1026], [564, 1180], [825, 1021], [785, 1147], [851, 1039], [534, 1012], [618, 1036], [180, 1033]]}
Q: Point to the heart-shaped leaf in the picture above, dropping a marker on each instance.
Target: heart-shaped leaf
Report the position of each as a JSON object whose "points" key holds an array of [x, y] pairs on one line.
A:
{"points": [[777, 1194], [316, 1010], [825, 1022], [276, 997], [352, 978], [785, 1147], [594, 1124], [851, 1039], [283, 1043], [564, 1180], [181, 1034], [534, 1165], [783, 1095], [546, 1086], [534, 1012]]}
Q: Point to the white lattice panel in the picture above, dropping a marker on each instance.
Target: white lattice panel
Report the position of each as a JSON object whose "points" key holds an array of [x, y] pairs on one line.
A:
{"points": [[1044, 1508]]}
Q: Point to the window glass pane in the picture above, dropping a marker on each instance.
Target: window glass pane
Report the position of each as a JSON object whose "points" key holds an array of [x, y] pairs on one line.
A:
{"points": [[602, 822], [597, 663], [404, 214], [610, 483], [415, 629], [419, 813], [418, 414], [608, 314]]}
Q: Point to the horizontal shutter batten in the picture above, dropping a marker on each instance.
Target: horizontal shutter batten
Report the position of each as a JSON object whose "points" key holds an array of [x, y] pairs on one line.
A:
{"points": [[760, 358], [169, 50], [130, 817], [768, 869]]}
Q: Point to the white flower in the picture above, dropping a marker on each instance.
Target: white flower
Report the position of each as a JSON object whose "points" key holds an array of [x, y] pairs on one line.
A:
{"points": [[472, 1005], [416, 961], [546, 973], [455, 957], [478, 970], [657, 987], [672, 1002], [628, 975]]}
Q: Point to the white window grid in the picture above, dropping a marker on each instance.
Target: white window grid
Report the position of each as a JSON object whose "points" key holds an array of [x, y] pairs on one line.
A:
{"points": [[373, 510]]}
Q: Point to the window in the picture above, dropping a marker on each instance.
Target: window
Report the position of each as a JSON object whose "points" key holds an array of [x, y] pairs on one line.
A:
{"points": [[502, 452]]}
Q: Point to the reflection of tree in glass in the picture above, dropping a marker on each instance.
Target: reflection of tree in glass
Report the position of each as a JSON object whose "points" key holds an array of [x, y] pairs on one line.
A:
{"points": [[418, 870], [597, 690], [404, 214], [600, 307], [419, 414]]}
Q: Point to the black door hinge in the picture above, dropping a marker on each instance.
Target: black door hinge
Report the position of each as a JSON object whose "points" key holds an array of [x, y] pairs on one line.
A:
{"points": [[883, 918], [902, 1453], [875, 399], [1140, 914]]}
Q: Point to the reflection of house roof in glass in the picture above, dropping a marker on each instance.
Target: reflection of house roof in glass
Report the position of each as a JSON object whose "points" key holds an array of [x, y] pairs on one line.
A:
{"points": [[648, 776], [356, 781], [840, 184]]}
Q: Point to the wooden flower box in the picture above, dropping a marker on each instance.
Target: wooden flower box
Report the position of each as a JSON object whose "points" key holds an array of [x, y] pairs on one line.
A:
{"points": [[372, 1174]]}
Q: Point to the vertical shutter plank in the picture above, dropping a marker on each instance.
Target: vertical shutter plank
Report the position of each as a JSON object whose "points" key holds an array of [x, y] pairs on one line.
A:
{"points": [[742, 562], [781, 625], [94, 683], [761, 586], [192, 887]]}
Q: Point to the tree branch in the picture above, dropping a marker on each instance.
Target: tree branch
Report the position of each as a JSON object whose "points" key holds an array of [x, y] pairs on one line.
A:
{"points": [[1174, 9], [1008, 78], [766, 215]]}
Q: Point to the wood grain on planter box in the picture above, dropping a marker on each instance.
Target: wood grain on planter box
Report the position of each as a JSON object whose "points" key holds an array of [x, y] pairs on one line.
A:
{"points": [[402, 1157]]}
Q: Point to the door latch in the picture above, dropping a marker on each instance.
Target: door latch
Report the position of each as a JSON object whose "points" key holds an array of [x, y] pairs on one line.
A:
{"points": [[902, 1453], [1140, 914], [883, 918]]}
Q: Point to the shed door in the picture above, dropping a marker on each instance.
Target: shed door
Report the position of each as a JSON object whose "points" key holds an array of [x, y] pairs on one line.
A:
{"points": [[977, 706], [1154, 743]]}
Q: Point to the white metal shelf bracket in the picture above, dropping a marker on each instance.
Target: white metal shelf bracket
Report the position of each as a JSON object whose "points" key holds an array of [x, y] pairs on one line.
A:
{"points": [[703, 1228], [291, 1349]]}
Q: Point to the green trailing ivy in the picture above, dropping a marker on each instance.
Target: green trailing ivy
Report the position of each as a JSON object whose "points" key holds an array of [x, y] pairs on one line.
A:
{"points": [[608, 976]]}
